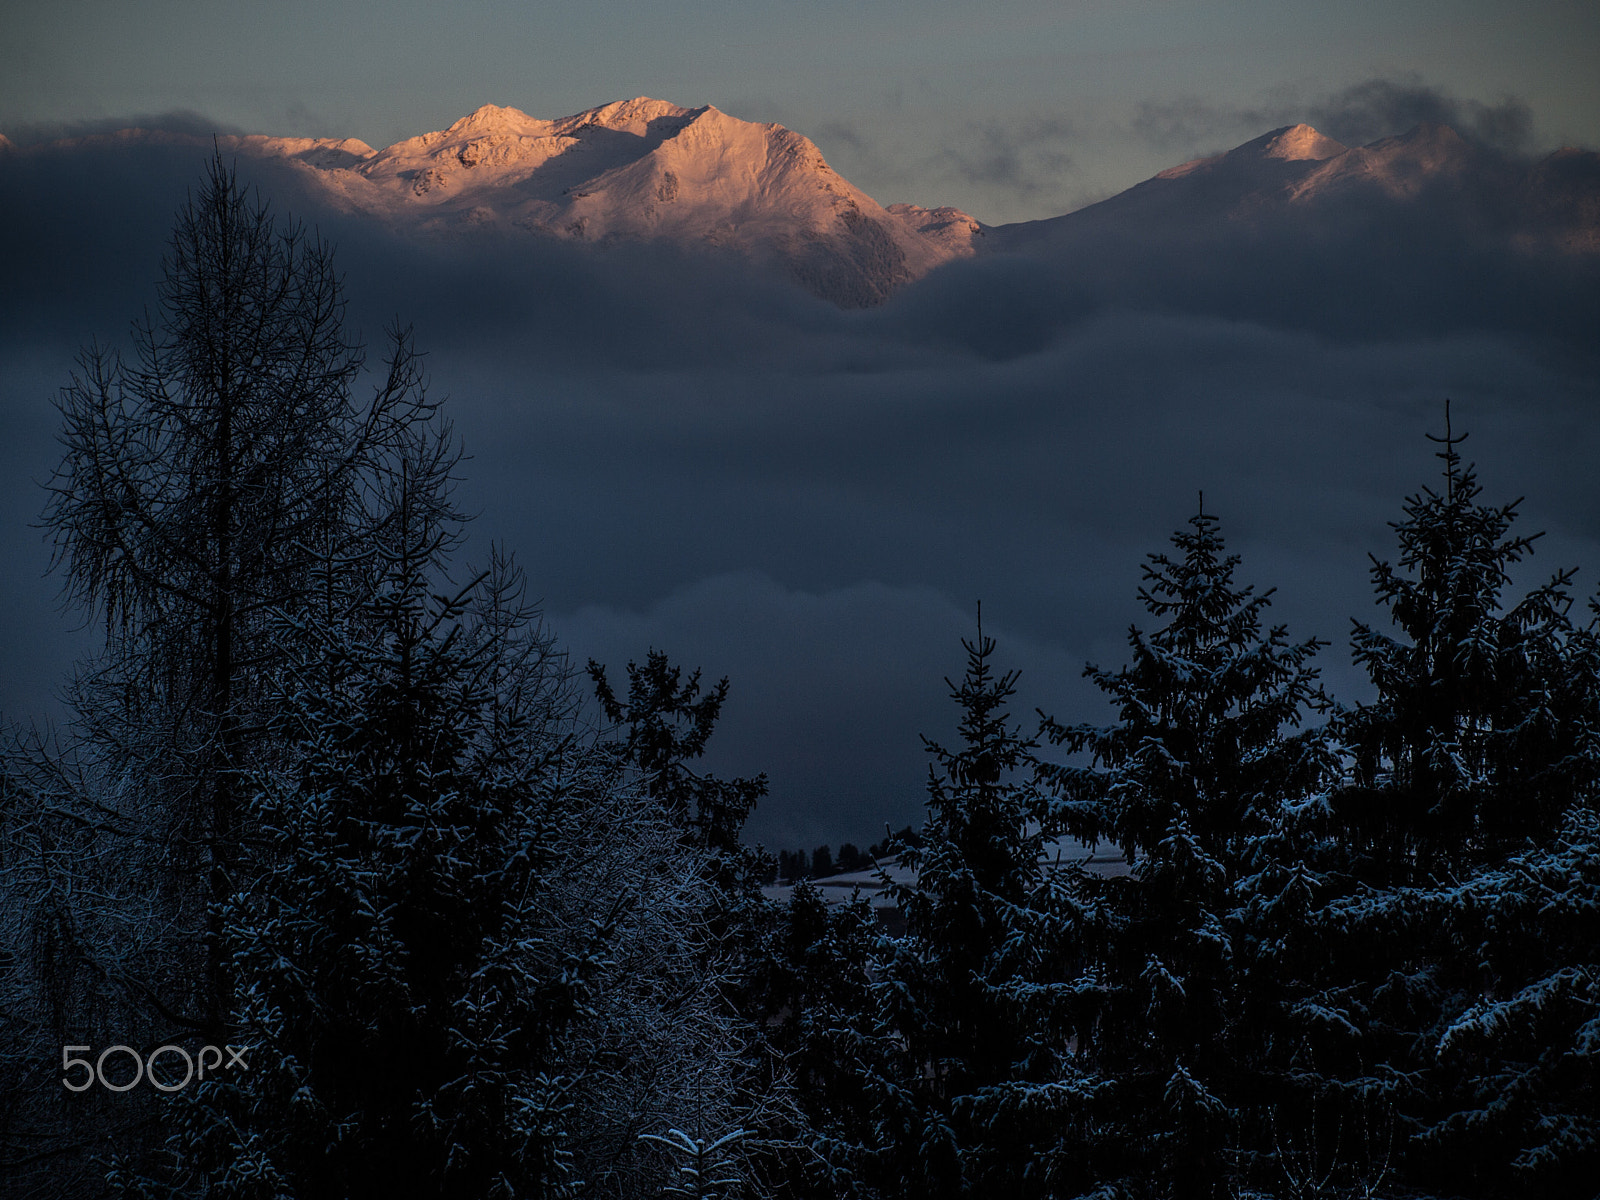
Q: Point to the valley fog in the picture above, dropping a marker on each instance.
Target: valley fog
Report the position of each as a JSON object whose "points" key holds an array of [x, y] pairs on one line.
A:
{"points": [[688, 455]]}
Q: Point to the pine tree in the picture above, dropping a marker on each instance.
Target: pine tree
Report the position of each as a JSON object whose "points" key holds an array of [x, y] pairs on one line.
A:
{"points": [[1193, 776], [664, 724], [1469, 749], [669, 724], [204, 478], [817, 1002], [1467, 772], [406, 963], [972, 1081], [201, 482], [1523, 1055]]}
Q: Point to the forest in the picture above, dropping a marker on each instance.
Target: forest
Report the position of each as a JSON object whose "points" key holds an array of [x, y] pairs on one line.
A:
{"points": [[342, 880]]}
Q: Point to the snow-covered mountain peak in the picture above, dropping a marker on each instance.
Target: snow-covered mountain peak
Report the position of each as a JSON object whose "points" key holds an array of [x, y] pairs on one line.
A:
{"points": [[643, 170], [1296, 180], [493, 119], [1288, 144], [1297, 143], [1430, 146], [1399, 166], [630, 116]]}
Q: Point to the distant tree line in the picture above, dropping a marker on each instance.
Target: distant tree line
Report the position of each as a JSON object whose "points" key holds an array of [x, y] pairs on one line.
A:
{"points": [[470, 923], [791, 866]]}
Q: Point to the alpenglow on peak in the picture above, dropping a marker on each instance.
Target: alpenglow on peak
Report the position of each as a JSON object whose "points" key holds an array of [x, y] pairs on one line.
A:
{"points": [[643, 170]]}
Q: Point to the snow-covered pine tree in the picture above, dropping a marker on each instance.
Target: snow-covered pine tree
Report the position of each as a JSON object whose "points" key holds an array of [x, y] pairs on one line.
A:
{"points": [[1478, 751], [664, 724], [816, 1007], [972, 1093], [1470, 748], [404, 967], [1191, 778], [203, 477], [1523, 1055], [199, 482], [668, 724]]}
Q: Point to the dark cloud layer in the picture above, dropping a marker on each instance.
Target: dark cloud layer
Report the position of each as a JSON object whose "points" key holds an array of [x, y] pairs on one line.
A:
{"points": [[1024, 159], [181, 121], [689, 456], [1383, 107]]}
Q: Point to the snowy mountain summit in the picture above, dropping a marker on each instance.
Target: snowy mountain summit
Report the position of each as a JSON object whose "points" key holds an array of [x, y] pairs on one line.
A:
{"points": [[642, 169], [696, 179], [1296, 178]]}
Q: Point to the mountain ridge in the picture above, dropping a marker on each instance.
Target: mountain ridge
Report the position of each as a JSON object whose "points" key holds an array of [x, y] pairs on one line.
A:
{"points": [[650, 170], [646, 169], [1295, 177]]}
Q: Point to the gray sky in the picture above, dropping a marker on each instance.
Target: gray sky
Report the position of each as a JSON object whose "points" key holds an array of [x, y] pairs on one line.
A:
{"points": [[1014, 109]]}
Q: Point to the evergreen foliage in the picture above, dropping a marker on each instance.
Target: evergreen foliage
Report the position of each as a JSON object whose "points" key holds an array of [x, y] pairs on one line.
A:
{"points": [[700, 1173], [200, 483], [1191, 778], [972, 1091], [1475, 763], [1523, 1055], [324, 804], [405, 967], [669, 724], [666, 723], [204, 480], [1475, 743]]}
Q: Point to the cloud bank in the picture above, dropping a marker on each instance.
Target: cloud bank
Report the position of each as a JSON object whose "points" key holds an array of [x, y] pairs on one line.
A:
{"points": [[1355, 115], [688, 456]]}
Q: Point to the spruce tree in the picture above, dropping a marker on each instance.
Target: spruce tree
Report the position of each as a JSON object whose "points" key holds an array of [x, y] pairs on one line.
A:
{"points": [[1188, 782], [1473, 766], [404, 968], [972, 1089], [1469, 749], [668, 723], [1521, 1058], [817, 1004]]}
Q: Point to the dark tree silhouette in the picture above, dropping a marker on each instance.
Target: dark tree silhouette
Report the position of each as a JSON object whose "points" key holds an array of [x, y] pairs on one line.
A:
{"points": [[1196, 769], [971, 1083], [1473, 771], [202, 481]]}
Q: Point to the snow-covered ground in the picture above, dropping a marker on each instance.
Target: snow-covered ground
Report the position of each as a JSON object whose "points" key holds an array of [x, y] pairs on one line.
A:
{"points": [[1105, 860]]}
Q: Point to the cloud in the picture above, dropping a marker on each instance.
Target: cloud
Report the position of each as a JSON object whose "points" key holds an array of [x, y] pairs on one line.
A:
{"points": [[1186, 124], [181, 120], [850, 674], [1024, 159], [844, 133], [1380, 108], [688, 456], [1002, 162], [1355, 115]]}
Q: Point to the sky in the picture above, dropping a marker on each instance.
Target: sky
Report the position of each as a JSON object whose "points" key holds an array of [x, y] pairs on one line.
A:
{"points": [[810, 501], [1013, 110]]}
